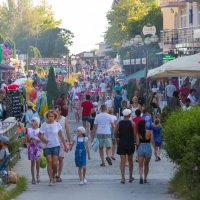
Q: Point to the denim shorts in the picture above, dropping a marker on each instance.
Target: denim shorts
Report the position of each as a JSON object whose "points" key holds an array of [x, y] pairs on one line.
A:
{"points": [[86, 118], [145, 150], [54, 151]]}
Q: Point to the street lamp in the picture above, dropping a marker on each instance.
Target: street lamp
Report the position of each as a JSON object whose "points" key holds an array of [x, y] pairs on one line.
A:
{"points": [[138, 41]]}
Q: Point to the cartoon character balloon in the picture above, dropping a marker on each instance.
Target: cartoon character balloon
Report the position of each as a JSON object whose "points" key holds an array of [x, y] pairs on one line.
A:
{"points": [[31, 93]]}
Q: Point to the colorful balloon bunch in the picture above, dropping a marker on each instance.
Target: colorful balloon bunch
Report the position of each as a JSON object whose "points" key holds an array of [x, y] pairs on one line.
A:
{"points": [[5, 51]]}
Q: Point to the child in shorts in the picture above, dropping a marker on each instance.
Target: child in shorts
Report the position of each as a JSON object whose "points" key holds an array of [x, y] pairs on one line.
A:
{"points": [[82, 149], [157, 129]]}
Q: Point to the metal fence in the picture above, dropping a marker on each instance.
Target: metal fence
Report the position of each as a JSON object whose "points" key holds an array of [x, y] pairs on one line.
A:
{"points": [[187, 37]]}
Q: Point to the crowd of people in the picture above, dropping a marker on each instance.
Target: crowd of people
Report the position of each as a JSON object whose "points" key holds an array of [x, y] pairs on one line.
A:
{"points": [[115, 124]]}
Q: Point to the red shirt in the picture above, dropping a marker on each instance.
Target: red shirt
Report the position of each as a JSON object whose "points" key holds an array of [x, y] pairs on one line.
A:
{"points": [[136, 121], [87, 107]]}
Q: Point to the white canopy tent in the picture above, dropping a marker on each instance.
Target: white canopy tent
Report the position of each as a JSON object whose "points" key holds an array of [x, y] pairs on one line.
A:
{"points": [[182, 66]]}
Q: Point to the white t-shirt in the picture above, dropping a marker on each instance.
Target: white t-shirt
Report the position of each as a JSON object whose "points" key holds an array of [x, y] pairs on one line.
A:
{"points": [[109, 103], [80, 139], [33, 133], [192, 100], [103, 87], [114, 118], [50, 132], [75, 91], [103, 122]]}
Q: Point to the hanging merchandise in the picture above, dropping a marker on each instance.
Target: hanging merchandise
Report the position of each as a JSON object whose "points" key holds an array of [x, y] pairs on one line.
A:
{"points": [[0, 54]]}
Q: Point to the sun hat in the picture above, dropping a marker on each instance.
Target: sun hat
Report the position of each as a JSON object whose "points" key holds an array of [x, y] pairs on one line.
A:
{"points": [[82, 129], [37, 120], [126, 112], [4, 139]]}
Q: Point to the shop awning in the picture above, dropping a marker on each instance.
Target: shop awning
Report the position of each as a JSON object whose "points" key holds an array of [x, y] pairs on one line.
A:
{"points": [[137, 75]]}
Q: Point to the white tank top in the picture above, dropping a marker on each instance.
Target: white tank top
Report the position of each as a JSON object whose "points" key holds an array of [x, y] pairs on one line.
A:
{"points": [[62, 121], [133, 115]]}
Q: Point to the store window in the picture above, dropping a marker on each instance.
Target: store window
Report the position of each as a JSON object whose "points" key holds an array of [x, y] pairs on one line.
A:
{"points": [[183, 18]]}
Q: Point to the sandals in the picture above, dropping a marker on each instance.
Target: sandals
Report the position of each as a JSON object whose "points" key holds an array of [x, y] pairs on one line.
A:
{"points": [[141, 181], [131, 179], [145, 181], [33, 182], [58, 179], [109, 160], [102, 165], [38, 179], [122, 181]]}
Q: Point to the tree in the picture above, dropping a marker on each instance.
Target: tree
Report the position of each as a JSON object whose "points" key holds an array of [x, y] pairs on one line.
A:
{"points": [[127, 18], [52, 88], [27, 25]]}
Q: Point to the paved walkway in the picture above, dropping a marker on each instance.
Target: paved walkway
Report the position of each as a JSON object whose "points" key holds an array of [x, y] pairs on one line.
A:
{"points": [[103, 183]]}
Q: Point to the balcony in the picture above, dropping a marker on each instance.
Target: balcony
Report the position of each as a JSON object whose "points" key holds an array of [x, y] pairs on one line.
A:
{"points": [[180, 38], [172, 3]]}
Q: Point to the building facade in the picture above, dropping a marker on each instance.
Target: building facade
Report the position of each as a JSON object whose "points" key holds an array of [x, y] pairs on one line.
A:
{"points": [[181, 26]]}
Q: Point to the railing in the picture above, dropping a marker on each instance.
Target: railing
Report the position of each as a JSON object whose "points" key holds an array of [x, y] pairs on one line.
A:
{"points": [[9, 127], [166, 3], [186, 37]]}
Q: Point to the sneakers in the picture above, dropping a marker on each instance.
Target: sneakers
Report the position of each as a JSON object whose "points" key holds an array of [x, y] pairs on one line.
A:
{"points": [[85, 180]]}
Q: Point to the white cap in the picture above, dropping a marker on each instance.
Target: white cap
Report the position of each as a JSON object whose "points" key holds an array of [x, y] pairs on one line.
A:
{"points": [[82, 129], [95, 104], [76, 97], [126, 112], [37, 120]]}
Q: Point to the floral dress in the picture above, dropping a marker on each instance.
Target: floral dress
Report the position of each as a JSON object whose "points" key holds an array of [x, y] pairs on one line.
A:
{"points": [[34, 146]]}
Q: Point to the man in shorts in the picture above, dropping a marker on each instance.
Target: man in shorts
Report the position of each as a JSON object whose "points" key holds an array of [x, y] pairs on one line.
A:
{"points": [[102, 123]]}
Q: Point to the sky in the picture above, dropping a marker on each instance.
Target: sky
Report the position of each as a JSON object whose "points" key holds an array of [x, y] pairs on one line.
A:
{"points": [[85, 18]]}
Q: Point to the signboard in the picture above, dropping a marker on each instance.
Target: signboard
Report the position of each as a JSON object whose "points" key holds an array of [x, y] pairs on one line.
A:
{"points": [[168, 57], [15, 107], [48, 61], [88, 55], [126, 62], [138, 61], [149, 30], [144, 61], [196, 34], [132, 61]]}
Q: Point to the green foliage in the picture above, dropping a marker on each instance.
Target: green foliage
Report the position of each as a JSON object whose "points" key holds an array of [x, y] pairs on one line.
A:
{"points": [[34, 52], [182, 138], [30, 25], [52, 88], [64, 88], [21, 186], [131, 87], [127, 19], [179, 128], [153, 18], [14, 145]]}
